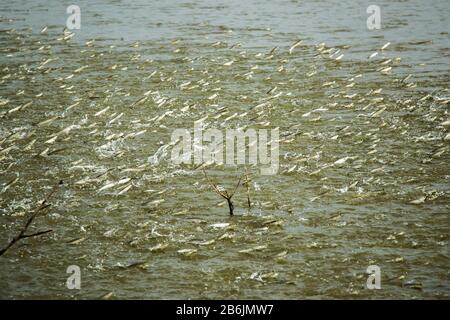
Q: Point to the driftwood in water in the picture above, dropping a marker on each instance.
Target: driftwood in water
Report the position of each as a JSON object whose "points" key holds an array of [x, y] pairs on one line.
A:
{"points": [[247, 186], [224, 194], [22, 234]]}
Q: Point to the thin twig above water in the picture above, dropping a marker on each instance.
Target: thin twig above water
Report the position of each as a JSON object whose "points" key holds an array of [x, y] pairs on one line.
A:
{"points": [[22, 234], [224, 194]]}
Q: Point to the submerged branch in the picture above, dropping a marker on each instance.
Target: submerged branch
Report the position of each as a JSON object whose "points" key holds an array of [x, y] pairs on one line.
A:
{"points": [[247, 186], [224, 194], [22, 234]]}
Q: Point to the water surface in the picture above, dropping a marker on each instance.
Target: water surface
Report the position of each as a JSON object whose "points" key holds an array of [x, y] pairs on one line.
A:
{"points": [[363, 177]]}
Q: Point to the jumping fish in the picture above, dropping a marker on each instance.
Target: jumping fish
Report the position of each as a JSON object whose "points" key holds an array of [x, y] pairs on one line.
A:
{"points": [[295, 45]]}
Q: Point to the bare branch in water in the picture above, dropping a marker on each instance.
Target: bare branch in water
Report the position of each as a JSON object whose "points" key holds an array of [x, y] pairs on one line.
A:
{"points": [[224, 194], [22, 234], [247, 185], [36, 234], [237, 185]]}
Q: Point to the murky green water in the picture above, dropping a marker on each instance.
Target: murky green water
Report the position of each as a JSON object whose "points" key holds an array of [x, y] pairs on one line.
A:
{"points": [[363, 177]]}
